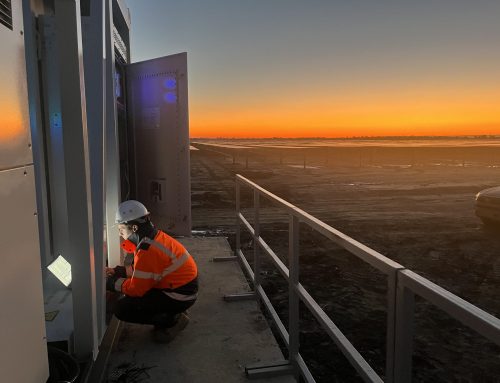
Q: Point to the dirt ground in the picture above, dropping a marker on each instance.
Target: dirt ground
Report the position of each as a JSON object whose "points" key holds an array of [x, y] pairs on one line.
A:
{"points": [[415, 211]]}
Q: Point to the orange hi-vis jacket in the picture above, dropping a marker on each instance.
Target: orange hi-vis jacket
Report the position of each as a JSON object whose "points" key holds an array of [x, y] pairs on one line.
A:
{"points": [[162, 263]]}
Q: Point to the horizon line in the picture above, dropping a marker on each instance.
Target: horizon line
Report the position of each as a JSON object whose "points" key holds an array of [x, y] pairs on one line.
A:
{"points": [[467, 136]]}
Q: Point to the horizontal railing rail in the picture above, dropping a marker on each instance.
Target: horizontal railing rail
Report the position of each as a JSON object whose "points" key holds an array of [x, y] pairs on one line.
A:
{"points": [[402, 284]]}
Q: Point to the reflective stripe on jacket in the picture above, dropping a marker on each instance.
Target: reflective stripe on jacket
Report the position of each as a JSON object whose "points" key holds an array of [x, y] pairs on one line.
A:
{"points": [[162, 263]]}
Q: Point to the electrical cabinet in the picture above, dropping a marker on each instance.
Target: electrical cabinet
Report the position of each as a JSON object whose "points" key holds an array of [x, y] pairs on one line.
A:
{"points": [[158, 116], [22, 329]]}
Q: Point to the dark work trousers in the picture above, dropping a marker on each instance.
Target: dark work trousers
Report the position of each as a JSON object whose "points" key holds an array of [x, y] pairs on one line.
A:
{"points": [[153, 308]]}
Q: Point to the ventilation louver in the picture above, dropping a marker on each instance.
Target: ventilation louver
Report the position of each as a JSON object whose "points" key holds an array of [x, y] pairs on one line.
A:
{"points": [[119, 44], [6, 13]]}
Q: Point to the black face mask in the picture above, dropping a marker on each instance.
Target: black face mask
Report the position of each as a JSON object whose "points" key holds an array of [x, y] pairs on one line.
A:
{"points": [[134, 238], [146, 229]]}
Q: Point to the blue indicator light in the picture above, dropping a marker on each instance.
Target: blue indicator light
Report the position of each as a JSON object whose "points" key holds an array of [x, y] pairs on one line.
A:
{"points": [[170, 97], [56, 129], [56, 121], [170, 83]]}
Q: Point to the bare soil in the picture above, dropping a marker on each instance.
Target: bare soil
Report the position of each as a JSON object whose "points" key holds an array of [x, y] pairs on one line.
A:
{"points": [[417, 212]]}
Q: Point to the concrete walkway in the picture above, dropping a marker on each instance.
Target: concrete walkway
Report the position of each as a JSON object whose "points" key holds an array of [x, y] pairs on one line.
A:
{"points": [[221, 338]]}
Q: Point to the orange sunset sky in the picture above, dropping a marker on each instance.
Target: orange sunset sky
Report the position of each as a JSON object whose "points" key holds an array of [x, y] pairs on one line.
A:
{"points": [[290, 68]]}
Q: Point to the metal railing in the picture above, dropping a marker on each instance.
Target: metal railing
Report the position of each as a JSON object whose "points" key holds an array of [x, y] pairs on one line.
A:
{"points": [[403, 285]]}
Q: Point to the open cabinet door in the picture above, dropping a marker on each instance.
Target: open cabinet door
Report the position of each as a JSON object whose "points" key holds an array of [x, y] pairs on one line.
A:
{"points": [[157, 103]]}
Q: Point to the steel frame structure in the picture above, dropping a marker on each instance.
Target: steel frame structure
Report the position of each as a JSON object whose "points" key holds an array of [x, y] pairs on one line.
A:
{"points": [[403, 285]]}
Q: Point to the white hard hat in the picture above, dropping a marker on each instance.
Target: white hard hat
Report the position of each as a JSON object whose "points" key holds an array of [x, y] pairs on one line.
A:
{"points": [[130, 210]]}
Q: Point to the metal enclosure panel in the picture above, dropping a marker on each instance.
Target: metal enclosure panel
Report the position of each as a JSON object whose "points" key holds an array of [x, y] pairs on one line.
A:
{"points": [[112, 161], [93, 58], [54, 138], [37, 131], [15, 140], [158, 107], [23, 356], [77, 171], [22, 326]]}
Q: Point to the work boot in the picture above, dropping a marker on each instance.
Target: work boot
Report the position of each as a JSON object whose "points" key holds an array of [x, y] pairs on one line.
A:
{"points": [[167, 334]]}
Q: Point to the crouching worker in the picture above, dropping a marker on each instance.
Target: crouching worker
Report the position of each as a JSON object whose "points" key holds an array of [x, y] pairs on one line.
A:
{"points": [[162, 283]]}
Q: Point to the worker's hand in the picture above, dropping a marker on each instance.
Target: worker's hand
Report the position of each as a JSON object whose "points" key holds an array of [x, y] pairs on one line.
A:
{"points": [[110, 271], [110, 283], [120, 272]]}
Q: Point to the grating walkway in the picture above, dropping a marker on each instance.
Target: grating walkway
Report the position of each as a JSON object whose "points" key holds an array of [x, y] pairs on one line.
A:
{"points": [[221, 338]]}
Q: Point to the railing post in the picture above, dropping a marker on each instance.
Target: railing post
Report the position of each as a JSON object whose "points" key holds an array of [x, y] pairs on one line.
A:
{"points": [[256, 258], [403, 345], [238, 231], [391, 325], [293, 298]]}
